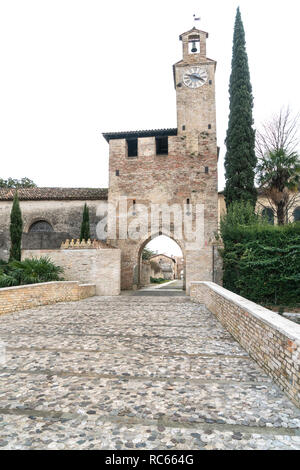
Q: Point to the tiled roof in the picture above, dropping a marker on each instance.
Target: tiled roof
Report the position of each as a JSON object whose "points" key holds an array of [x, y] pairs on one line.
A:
{"points": [[135, 134], [193, 30], [260, 191], [55, 194], [162, 254]]}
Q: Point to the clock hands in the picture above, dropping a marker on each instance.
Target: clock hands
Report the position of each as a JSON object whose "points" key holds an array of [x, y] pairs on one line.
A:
{"points": [[195, 75]]}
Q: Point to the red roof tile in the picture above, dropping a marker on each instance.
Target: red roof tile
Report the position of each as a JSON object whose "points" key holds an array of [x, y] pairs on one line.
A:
{"points": [[55, 194]]}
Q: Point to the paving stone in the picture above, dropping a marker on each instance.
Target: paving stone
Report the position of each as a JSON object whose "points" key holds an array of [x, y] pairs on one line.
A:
{"points": [[134, 372]]}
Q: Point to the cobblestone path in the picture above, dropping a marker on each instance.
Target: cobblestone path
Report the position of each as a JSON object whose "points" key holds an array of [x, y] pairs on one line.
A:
{"points": [[131, 373]]}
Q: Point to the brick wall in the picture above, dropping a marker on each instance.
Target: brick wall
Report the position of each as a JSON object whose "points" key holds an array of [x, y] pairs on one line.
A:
{"points": [[100, 267], [33, 295], [273, 341], [166, 179]]}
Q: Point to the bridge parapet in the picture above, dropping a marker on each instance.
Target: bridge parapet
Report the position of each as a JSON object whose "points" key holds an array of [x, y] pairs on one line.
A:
{"points": [[271, 340]]}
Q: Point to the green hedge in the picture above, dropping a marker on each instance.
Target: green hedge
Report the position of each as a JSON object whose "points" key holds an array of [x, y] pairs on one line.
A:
{"points": [[157, 280], [262, 262]]}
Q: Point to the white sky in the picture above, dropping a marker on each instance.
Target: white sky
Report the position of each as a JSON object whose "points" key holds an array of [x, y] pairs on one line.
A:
{"points": [[72, 69], [166, 245]]}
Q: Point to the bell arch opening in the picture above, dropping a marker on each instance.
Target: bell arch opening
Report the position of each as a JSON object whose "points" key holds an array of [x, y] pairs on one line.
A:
{"points": [[160, 259]]}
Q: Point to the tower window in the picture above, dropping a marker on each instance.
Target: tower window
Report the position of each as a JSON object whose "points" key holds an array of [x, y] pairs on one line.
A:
{"points": [[209, 126], [188, 212], [132, 147], [117, 173], [161, 143], [206, 169]]}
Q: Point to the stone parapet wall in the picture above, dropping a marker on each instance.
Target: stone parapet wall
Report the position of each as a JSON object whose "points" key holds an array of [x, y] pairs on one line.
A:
{"points": [[273, 341], [33, 295], [86, 290], [96, 266]]}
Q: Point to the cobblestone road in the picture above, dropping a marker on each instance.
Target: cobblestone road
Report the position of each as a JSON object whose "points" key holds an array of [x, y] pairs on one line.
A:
{"points": [[134, 372]]}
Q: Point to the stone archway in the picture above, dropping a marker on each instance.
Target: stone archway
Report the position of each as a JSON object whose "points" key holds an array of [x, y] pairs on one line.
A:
{"points": [[143, 244]]}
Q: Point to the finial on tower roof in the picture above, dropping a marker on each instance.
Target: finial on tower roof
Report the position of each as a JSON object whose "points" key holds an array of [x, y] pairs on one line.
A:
{"points": [[196, 18]]}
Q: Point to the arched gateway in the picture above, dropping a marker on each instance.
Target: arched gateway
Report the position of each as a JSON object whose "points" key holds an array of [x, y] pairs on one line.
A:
{"points": [[165, 181], [144, 243]]}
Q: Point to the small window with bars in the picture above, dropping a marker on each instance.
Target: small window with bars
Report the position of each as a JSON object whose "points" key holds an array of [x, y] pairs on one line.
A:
{"points": [[161, 143], [132, 147]]}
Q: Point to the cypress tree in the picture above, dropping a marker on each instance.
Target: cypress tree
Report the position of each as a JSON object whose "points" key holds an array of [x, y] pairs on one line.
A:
{"points": [[16, 228], [85, 224], [240, 159]]}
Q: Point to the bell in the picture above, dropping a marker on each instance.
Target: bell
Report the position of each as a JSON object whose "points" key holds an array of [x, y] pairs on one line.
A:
{"points": [[194, 48]]}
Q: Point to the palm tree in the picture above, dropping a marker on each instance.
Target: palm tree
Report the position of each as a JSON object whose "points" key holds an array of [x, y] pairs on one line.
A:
{"points": [[278, 168]]}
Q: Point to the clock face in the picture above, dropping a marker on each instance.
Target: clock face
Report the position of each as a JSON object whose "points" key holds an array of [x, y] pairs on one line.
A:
{"points": [[194, 77]]}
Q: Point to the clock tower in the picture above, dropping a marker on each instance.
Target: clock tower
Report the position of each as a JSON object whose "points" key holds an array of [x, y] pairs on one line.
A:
{"points": [[174, 169], [194, 78]]}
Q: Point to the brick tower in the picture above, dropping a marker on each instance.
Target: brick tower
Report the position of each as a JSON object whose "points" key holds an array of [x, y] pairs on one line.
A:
{"points": [[171, 167]]}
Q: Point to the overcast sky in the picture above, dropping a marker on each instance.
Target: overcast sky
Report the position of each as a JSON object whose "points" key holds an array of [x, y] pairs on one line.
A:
{"points": [[72, 69]]}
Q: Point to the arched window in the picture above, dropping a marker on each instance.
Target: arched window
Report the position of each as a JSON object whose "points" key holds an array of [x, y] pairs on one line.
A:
{"points": [[296, 214], [268, 214], [41, 226]]}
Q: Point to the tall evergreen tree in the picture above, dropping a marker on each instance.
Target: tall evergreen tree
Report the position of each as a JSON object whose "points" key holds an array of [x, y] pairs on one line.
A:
{"points": [[240, 159], [85, 224], [16, 227]]}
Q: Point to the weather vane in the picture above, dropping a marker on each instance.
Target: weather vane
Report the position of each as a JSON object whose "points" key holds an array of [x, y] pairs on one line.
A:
{"points": [[196, 18]]}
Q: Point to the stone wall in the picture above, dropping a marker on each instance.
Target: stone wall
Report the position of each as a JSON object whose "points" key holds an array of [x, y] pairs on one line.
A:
{"points": [[156, 271], [217, 264], [33, 295], [145, 273], [273, 341], [65, 217], [97, 266], [43, 240]]}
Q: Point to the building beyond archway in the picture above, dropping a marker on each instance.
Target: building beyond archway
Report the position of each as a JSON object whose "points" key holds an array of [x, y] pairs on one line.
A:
{"points": [[160, 265]]}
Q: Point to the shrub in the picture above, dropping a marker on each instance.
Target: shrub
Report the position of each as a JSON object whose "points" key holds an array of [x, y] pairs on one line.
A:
{"points": [[262, 262], [29, 271], [158, 280], [147, 254], [7, 280], [240, 214]]}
